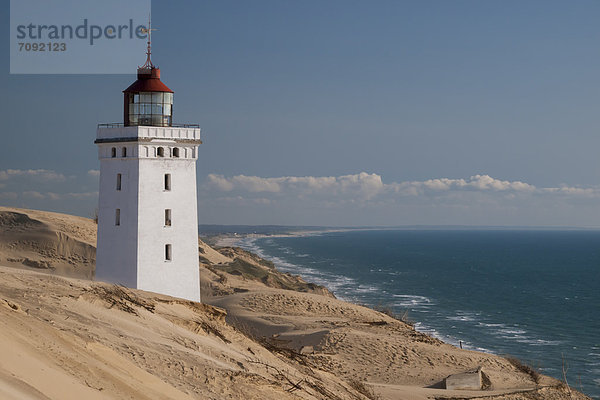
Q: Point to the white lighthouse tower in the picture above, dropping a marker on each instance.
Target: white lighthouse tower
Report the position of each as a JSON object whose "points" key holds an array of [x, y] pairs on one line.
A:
{"points": [[147, 213]]}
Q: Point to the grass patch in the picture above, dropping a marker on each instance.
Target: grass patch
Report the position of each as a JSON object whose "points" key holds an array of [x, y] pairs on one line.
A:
{"points": [[244, 268]]}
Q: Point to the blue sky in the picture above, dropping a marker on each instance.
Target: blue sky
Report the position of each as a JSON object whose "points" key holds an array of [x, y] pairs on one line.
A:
{"points": [[343, 113]]}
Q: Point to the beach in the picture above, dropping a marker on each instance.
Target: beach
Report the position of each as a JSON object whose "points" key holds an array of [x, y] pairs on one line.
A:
{"points": [[524, 293], [258, 333]]}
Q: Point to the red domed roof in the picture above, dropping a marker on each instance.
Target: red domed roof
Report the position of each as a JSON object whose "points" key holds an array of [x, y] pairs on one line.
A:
{"points": [[148, 81]]}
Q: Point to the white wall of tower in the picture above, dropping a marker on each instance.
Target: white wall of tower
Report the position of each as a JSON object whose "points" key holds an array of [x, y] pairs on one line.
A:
{"points": [[133, 253], [116, 253], [179, 276]]}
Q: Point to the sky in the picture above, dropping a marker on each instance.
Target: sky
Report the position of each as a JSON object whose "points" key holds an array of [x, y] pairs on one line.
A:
{"points": [[342, 113]]}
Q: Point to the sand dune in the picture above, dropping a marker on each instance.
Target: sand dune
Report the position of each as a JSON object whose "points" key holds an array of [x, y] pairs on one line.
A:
{"points": [[54, 242], [363, 345], [263, 335], [64, 338]]}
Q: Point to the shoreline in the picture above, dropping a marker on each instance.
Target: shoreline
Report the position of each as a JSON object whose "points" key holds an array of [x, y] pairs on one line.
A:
{"points": [[246, 242], [418, 325]]}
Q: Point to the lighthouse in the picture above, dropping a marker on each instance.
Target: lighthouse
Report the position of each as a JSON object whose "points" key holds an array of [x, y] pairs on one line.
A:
{"points": [[147, 211]]}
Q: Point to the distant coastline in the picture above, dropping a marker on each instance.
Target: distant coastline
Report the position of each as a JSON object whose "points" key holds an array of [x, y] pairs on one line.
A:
{"points": [[208, 230], [230, 235], [229, 240]]}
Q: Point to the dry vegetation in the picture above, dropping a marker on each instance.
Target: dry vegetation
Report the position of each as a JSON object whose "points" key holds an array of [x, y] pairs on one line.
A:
{"points": [[251, 267], [527, 369]]}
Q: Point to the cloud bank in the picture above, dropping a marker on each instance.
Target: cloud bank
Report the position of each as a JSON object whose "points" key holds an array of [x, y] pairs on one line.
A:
{"points": [[362, 185], [38, 174], [50, 190], [365, 186], [353, 199], [367, 199]]}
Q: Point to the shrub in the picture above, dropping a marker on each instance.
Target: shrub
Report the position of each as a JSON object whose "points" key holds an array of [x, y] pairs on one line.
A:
{"points": [[527, 369]]}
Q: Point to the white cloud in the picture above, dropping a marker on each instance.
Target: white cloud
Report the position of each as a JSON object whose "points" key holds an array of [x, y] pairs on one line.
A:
{"points": [[42, 174], [83, 195], [32, 194], [482, 183], [94, 172], [363, 185], [367, 199], [220, 182], [366, 187], [256, 184], [573, 191], [486, 182], [64, 196], [9, 195]]}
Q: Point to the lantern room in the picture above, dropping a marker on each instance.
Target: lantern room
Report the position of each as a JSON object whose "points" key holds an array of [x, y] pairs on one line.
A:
{"points": [[148, 101]]}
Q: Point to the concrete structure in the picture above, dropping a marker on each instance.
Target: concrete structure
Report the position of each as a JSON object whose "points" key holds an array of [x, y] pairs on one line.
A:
{"points": [[466, 381], [147, 213]]}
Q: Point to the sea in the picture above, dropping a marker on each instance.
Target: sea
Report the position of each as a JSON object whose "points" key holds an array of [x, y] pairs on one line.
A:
{"points": [[530, 294]]}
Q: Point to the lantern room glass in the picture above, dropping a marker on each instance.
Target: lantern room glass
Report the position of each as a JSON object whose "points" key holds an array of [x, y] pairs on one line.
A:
{"points": [[150, 108]]}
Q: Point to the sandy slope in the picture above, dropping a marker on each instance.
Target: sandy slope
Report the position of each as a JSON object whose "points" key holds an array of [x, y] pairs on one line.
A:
{"points": [[279, 338], [63, 338], [360, 344], [59, 243]]}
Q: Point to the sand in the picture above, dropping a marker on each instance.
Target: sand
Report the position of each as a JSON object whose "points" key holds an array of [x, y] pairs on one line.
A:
{"points": [[58, 243], [262, 334]]}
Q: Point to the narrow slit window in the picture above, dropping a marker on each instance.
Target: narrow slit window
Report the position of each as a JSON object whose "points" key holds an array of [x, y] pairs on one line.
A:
{"points": [[118, 217], [167, 217], [167, 181], [118, 181], [113, 152], [124, 152], [168, 252]]}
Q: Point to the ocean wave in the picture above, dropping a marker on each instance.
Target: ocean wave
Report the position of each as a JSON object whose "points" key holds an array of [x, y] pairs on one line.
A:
{"points": [[336, 283], [460, 318], [286, 250], [538, 342], [385, 271], [412, 301], [509, 331], [367, 289], [504, 331], [594, 371], [492, 325], [423, 328], [519, 335], [395, 273], [464, 316]]}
